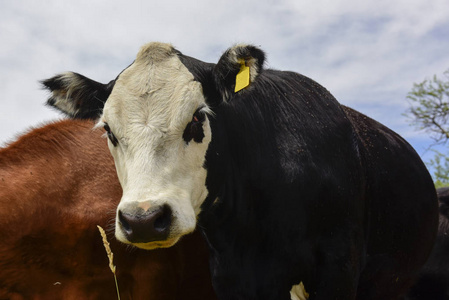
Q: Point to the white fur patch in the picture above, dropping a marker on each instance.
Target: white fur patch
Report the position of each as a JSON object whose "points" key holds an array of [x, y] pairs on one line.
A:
{"points": [[148, 110], [298, 292]]}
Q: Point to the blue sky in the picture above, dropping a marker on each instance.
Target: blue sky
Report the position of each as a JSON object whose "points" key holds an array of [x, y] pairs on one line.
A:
{"points": [[367, 53]]}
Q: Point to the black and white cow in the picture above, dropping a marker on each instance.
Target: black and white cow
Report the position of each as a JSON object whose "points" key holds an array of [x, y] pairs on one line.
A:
{"points": [[287, 185]]}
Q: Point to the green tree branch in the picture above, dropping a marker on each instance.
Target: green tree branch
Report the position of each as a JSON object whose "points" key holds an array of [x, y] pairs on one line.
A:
{"points": [[429, 111]]}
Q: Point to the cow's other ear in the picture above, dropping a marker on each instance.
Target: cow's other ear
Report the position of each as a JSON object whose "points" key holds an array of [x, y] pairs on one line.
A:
{"points": [[77, 96], [237, 69]]}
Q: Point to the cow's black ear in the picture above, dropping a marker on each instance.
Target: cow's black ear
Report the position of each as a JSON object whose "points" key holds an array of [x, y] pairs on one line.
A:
{"points": [[77, 96], [237, 69]]}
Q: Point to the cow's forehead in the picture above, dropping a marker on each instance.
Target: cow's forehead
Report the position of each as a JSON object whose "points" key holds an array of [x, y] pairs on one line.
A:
{"points": [[157, 90]]}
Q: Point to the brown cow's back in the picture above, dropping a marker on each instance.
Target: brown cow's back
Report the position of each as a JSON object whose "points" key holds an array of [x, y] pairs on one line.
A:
{"points": [[56, 184]]}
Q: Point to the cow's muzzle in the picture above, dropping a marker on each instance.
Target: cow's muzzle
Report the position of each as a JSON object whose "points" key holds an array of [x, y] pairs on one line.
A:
{"points": [[142, 223]]}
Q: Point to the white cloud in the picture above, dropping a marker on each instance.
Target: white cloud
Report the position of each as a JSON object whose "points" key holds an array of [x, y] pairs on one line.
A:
{"points": [[367, 53]]}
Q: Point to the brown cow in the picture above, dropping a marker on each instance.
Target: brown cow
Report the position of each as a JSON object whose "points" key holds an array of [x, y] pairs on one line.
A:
{"points": [[56, 183]]}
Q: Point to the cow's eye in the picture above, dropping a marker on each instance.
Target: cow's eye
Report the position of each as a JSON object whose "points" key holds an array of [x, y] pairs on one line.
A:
{"points": [[199, 116], [111, 136], [194, 130]]}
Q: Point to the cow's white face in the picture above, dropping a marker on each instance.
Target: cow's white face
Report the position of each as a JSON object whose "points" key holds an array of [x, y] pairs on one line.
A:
{"points": [[159, 132]]}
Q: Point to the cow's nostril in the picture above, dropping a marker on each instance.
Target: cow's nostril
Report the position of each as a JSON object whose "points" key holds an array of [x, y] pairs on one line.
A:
{"points": [[163, 221], [123, 222], [144, 227]]}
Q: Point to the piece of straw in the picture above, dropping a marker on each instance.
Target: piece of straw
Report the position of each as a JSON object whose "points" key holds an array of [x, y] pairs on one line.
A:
{"points": [[110, 257]]}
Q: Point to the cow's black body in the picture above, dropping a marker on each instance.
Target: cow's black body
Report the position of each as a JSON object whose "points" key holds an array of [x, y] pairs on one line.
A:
{"points": [[304, 189], [433, 280]]}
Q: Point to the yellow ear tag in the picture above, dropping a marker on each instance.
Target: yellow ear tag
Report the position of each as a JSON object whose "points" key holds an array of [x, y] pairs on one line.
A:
{"points": [[242, 78]]}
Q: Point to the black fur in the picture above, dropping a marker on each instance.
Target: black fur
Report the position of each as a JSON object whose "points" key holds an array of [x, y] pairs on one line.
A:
{"points": [[194, 130], [304, 189], [308, 191], [433, 280], [88, 98]]}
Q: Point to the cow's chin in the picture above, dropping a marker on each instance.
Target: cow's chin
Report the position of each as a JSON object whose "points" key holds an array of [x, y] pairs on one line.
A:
{"points": [[157, 244]]}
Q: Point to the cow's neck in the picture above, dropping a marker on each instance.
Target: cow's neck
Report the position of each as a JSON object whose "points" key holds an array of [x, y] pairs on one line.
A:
{"points": [[233, 196]]}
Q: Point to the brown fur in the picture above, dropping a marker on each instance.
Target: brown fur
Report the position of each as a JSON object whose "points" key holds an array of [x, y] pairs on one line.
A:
{"points": [[56, 184]]}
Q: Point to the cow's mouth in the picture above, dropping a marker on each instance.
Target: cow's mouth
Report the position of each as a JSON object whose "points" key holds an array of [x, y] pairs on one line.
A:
{"points": [[157, 244]]}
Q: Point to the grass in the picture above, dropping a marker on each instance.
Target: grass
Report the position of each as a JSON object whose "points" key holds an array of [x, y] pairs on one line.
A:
{"points": [[110, 257]]}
